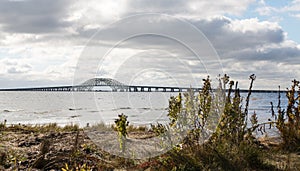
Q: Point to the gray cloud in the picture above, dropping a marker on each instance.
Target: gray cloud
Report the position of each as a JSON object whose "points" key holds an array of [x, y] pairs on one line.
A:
{"points": [[261, 43], [190, 8], [168, 6], [178, 40], [14, 70], [33, 16], [279, 54], [219, 31]]}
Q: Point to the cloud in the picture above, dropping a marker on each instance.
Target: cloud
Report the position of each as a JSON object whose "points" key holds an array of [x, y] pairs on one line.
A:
{"points": [[229, 35], [231, 38], [53, 65], [40, 41], [294, 6], [162, 43], [33, 16], [96, 13], [252, 46], [265, 10], [245, 46], [192, 8], [19, 69], [10, 66]]}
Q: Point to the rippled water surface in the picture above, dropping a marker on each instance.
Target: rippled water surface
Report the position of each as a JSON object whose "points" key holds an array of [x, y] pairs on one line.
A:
{"points": [[82, 107], [142, 108]]}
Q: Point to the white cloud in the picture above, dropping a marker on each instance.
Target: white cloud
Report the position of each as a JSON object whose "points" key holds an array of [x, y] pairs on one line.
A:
{"points": [[95, 13], [294, 6], [49, 65], [253, 25], [10, 66], [264, 9], [292, 9], [296, 15], [231, 36], [232, 7]]}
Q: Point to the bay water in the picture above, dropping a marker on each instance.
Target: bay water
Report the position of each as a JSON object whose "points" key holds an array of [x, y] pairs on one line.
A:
{"points": [[142, 108]]}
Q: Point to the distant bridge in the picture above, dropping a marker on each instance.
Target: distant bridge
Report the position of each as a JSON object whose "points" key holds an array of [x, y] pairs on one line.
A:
{"points": [[117, 86], [114, 85]]}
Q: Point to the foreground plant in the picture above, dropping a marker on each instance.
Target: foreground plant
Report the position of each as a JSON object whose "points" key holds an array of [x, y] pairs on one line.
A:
{"points": [[83, 167], [121, 126], [231, 146], [288, 121], [234, 120]]}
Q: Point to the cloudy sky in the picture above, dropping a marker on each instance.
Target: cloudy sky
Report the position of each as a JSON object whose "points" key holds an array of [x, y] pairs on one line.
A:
{"points": [[45, 42]]}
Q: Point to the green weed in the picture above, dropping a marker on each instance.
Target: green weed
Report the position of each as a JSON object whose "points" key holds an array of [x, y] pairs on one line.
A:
{"points": [[121, 126]]}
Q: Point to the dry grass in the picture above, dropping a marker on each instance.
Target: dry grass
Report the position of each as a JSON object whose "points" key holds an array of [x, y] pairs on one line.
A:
{"points": [[24, 147]]}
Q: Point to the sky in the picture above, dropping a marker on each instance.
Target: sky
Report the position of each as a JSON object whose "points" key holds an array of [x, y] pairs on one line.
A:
{"points": [[157, 42]]}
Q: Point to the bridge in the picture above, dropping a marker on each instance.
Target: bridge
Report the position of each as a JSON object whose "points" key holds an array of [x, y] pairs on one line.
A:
{"points": [[114, 86]]}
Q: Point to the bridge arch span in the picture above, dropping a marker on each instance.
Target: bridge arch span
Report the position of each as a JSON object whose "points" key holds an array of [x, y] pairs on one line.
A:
{"points": [[113, 84]]}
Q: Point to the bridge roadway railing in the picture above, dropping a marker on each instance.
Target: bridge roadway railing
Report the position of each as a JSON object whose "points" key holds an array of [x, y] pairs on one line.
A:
{"points": [[114, 89], [158, 89], [124, 89]]}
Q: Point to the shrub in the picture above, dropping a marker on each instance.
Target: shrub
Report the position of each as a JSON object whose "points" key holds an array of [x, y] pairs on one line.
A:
{"points": [[121, 126], [288, 121], [231, 146]]}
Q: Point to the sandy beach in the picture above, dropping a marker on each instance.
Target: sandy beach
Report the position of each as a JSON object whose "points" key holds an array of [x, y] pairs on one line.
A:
{"points": [[50, 147]]}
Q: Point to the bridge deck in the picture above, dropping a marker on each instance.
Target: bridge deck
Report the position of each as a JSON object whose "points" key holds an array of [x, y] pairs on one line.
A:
{"points": [[117, 86], [125, 89]]}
